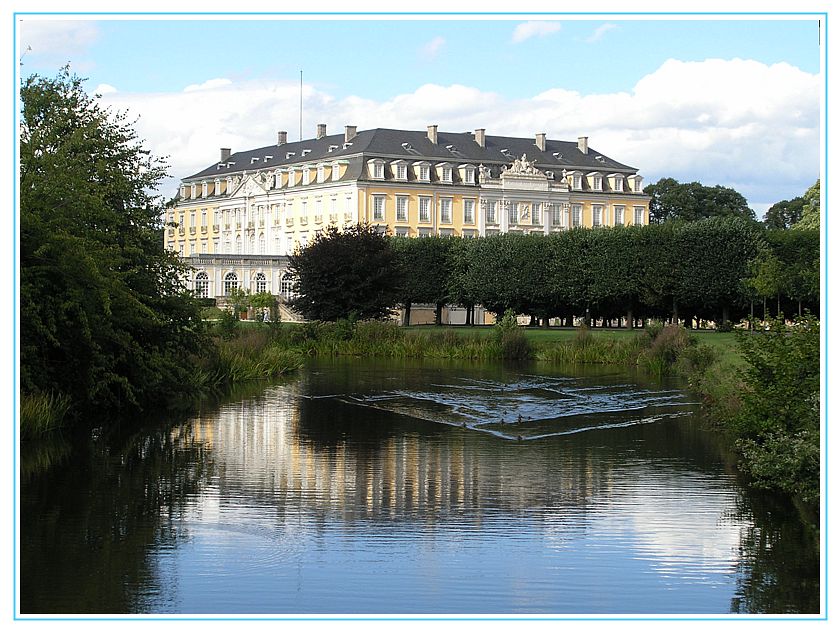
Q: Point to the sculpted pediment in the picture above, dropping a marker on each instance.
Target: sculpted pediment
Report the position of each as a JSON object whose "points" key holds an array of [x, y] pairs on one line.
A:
{"points": [[252, 185]]}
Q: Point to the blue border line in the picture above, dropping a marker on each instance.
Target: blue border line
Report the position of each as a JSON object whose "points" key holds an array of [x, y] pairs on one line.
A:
{"points": [[824, 307]]}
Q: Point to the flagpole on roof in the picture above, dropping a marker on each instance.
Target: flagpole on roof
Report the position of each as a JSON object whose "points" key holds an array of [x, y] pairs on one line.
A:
{"points": [[301, 105]]}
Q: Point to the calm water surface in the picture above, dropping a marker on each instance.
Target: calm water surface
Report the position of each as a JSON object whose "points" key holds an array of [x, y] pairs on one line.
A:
{"points": [[413, 488]]}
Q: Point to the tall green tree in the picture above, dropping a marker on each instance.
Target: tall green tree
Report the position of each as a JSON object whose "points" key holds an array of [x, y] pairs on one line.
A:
{"points": [[424, 272], [811, 209], [343, 273], [672, 200], [784, 214], [105, 318]]}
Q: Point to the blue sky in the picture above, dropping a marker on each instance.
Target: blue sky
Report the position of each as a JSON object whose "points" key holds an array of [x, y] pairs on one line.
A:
{"points": [[722, 101]]}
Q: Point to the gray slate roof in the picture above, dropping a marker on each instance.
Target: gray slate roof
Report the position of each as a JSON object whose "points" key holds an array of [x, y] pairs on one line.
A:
{"points": [[414, 145]]}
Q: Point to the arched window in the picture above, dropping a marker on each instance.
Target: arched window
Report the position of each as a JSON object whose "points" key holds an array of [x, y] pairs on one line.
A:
{"points": [[202, 284], [231, 282], [286, 284], [260, 279]]}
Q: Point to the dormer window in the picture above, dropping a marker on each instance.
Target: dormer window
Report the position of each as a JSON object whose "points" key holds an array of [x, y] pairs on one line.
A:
{"points": [[422, 171], [336, 173], [305, 152], [596, 181], [617, 182], [289, 155], [636, 183], [306, 175], [332, 147], [254, 159], [321, 173], [400, 169], [347, 145], [467, 174], [376, 169], [575, 180], [445, 172], [267, 158]]}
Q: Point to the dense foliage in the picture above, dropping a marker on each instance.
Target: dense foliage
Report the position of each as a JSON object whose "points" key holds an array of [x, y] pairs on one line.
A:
{"points": [[779, 423], [105, 320], [672, 200], [343, 273]]}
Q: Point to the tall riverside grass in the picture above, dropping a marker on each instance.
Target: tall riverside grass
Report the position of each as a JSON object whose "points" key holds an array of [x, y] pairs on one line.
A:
{"points": [[586, 348], [42, 413]]}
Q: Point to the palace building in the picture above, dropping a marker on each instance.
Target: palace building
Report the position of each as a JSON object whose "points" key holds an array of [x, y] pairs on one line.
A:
{"points": [[235, 221]]}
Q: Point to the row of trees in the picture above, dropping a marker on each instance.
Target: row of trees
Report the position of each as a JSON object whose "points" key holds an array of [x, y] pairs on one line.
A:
{"points": [[715, 269]]}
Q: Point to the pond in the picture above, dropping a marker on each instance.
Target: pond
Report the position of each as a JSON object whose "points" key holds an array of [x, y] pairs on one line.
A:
{"points": [[408, 487]]}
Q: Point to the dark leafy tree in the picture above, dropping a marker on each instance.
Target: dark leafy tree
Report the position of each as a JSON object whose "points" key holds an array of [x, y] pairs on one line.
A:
{"points": [[784, 214], [345, 273], [672, 200], [424, 272], [105, 318], [811, 209]]}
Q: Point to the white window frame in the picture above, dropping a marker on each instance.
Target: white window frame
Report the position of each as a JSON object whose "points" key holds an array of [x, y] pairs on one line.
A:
{"points": [[638, 216], [597, 215], [618, 215], [490, 212], [425, 209], [446, 210], [335, 171], [536, 214], [513, 213], [402, 208], [378, 207], [469, 211], [423, 171], [577, 215], [231, 281]]}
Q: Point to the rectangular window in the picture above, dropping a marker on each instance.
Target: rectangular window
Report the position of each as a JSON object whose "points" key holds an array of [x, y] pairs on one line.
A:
{"points": [[378, 170], [336, 172], [425, 204], [401, 232], [216, 245], [637, 185], [446, 210], [513, 213], [303, 210], [576, 181], [402, 209], [424, 173], [536, 214], [379, 208], [491, 212], [320, 173], [306, 176], [638, 215], [469, 211], [446, 174], [597, 213], [203, 217], [618, 211], [556, 216], [619, 183], [204, 246], [402, 172], [596, 183], [577, 213]]}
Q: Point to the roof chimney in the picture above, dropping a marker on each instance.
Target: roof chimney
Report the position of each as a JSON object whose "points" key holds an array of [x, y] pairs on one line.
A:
{"points": [[540, 141], [479, 137], [225, 154], [349, 133], [281, 137], [431, 132], [583, 144], [322, 131]]}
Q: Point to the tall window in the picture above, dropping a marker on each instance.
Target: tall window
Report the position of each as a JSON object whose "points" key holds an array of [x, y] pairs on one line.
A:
{"points": [[638, 215], [203, 217], [536, 214], [513, 213], [424, 173], [378, 170], [577, 214], [596, 183], [321, 173], [260, 282], [202, 284], [597, 213], [469, 211], [425, 204], [618, 183], [446, 175], [231, 282], [446, 210], [576, 181], [239, 245], [402, 172], [262, 244], [556, 216], [306, 175], [491, 212], [402, 208], [286, 285], [618, 211], [379, 208]]}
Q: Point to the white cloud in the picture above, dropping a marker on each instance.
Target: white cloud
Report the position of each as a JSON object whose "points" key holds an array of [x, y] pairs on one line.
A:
{"points": [[600, 32], [209, 85], [737, 123], [61, 40], [104, 89], [431, 49], [527, 30]]}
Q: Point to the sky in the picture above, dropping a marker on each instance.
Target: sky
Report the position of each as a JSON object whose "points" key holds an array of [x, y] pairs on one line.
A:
{"points": [[723, 100]]}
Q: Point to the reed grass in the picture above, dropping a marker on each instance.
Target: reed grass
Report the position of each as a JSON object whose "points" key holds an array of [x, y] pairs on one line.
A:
{"points": [[42, 413]]}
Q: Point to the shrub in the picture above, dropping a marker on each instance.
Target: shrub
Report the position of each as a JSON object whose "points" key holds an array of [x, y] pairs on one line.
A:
{"points": [[42, 413]]}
